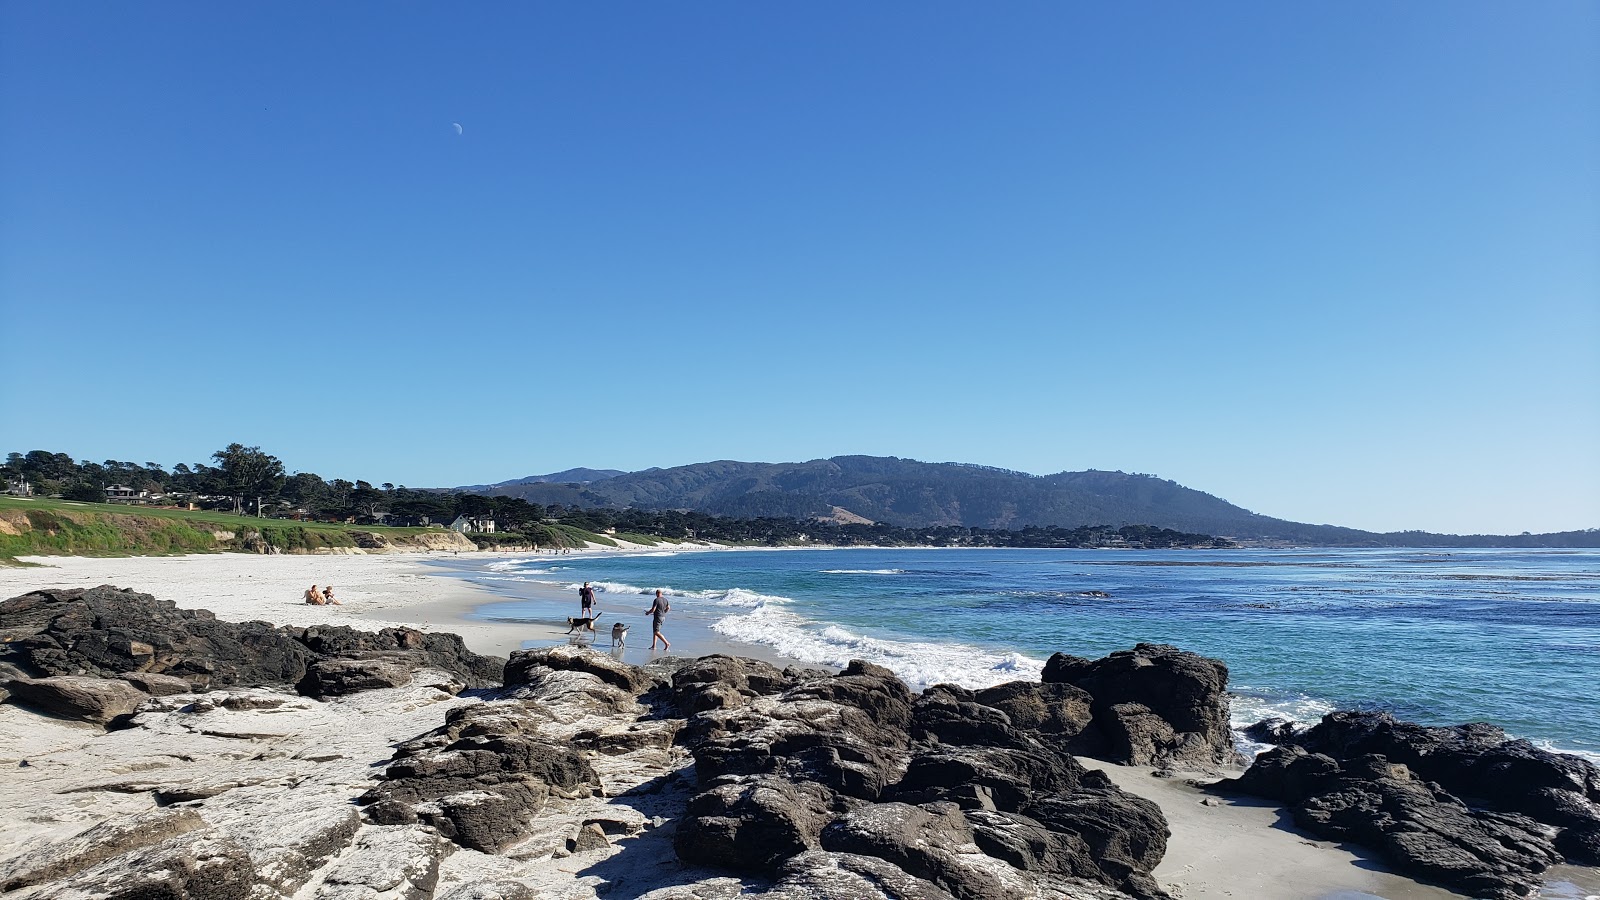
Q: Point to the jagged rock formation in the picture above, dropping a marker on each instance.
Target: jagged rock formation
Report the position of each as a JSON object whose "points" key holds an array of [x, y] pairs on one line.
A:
{"points": [[105, 632], [361, 770], [1462, 806], [1152, 705]]}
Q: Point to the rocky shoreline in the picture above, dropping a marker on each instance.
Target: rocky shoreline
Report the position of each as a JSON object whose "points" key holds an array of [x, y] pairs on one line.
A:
{"points": [[163, 753]]}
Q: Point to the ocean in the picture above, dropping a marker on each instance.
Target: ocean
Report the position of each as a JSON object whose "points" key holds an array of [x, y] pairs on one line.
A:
{"points": [[1438, 637]]}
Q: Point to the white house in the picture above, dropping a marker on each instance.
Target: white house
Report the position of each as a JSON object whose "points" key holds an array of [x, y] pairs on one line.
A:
{"points": [[475, 525]]}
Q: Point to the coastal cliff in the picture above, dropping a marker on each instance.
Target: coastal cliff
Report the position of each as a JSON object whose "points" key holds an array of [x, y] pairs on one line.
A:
{"points": [[153, 751]]}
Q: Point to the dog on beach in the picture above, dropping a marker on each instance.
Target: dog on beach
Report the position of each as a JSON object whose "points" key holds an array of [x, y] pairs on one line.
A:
{"points": [[582, 623], [619, 635]]}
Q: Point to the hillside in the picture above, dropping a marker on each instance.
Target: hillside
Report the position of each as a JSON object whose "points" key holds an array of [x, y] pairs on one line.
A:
{"points": [[917, 494], [52, 527], [569, 476]]}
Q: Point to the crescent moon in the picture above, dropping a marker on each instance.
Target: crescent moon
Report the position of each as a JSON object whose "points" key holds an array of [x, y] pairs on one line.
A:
{"points": [[457, 126]]}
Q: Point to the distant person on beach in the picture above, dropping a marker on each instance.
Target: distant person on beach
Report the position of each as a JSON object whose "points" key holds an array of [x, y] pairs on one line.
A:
{"points": [[314, 597], [586, 601], [657, 612], [327, 596]]}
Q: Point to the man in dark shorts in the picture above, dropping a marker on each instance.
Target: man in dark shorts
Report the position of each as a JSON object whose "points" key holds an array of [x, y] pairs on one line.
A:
{"points": [[586, 600], [658, 612]]}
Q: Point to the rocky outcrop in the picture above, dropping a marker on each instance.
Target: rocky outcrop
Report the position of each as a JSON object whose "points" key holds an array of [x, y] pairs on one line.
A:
{"points": [[931, 796], [1153, 705], [480, 777], [78, 697], [525, 664], [106, 632], [1462, 806]]}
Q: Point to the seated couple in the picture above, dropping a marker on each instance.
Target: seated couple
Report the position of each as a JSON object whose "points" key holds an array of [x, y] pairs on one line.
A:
{"points": [[325, 598]]}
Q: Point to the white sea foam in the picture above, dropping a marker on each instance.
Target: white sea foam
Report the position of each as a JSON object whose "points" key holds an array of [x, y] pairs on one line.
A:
{"points": [[1249, 707], [918, 663], [863, 572], [730, 597]]}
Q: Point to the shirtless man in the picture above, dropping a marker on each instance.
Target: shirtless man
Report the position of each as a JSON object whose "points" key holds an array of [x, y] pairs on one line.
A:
{"points": [[314, 597]]}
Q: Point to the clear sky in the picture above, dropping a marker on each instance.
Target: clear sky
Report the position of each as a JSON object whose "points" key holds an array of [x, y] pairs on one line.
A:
{"points": [[1333, 262]]}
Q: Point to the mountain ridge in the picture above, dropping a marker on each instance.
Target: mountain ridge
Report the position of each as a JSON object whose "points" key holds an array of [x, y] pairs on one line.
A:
{"points": [[911, 493]]}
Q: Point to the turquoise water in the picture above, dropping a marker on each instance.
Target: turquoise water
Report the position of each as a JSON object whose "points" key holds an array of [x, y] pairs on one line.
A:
{"points": [[1438, 637]]}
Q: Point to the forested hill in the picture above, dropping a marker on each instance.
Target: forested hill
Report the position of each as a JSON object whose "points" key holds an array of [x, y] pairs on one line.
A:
{"points": [[916, 494]]}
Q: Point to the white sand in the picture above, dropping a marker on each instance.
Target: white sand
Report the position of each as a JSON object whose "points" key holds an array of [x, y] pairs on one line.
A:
{"points": [[374, 591], [1237, 848]]}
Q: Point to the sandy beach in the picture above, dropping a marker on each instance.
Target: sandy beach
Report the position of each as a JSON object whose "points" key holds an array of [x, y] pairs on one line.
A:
{"points": [[1220, 847]]}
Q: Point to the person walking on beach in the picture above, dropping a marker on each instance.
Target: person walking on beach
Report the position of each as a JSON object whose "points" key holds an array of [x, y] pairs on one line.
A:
{"points": [[657, 612], [586, 601]]}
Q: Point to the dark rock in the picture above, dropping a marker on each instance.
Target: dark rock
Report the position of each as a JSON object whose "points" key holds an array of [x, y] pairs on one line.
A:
{"points": [[752, 823], [1005, 778], [1058, 710], [1416, 825], [838, 746], [1137, 692], [76, 697], [480, 777], [436, 650], [721, 682], [589, 837], [334, 677], [928, 842], [819, 875], [158, 685], [521, 665], [869, 688], [1098, 832], [1271, 731], [106, 632], [1472, 761]]}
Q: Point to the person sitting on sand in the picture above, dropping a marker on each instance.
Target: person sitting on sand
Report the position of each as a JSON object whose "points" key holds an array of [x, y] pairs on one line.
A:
{"points": [[327, 596], [314, 597]]}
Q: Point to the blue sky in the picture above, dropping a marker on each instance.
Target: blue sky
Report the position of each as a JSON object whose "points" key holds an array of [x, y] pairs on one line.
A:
{"points": [[1335, 263]]}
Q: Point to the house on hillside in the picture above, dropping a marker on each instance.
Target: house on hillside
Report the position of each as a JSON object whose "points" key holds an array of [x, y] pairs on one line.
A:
{"points": [[473, 525], [19, 487], [121, 493]]}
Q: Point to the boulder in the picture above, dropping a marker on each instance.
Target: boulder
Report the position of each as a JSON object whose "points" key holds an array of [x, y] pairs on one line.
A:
{"points": [[480, 777], [720, 682], [872, 689], [820, 875], [1144, 694], [106, 631], [158, 685], [370, 671], [838, 746], [1098, 832], [933, 843], [1418, 827], [77, 697], [523, 663], [435, 650], [1274, 730], [752, 823], [398, 862]]}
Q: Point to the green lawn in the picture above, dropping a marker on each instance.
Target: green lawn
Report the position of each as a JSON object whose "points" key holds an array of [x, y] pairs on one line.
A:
{"points": [[226, 520]]}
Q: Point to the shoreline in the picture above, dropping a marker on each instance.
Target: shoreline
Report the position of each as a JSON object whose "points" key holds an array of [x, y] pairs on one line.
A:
{"points": [[1235, 847]]}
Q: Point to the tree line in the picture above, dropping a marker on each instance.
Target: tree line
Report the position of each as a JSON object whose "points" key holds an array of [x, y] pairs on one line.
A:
{"points": [[243, 479]]}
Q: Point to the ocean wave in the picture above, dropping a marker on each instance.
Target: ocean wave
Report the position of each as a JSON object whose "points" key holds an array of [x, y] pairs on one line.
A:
{"points": [[919, 664], [862, 572], [735, 596]]}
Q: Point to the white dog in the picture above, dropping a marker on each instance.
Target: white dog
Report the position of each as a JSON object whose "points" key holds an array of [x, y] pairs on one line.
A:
{"points": [[619, 635]]}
